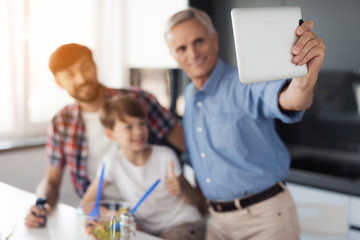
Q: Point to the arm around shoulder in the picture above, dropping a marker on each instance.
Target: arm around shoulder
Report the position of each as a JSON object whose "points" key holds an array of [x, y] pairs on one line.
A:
{"points": [[162, 121], [176, 137]]}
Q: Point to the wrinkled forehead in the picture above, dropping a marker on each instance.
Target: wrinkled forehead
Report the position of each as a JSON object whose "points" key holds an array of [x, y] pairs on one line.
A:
{"points": [[187, 31]]}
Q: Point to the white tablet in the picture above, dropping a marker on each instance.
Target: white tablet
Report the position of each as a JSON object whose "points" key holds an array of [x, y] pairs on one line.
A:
{"points": [[264, 38]]}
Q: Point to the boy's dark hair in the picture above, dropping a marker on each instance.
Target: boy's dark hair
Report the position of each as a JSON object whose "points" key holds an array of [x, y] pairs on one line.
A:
{"points": [[66, 55], [119, 106]]}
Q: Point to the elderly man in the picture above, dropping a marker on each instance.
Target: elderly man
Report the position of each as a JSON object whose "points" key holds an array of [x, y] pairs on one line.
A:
{"points": [[239, 160]]}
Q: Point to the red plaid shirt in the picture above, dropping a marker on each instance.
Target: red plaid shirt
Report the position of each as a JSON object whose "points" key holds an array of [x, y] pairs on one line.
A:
{"points": [[67, 140]]}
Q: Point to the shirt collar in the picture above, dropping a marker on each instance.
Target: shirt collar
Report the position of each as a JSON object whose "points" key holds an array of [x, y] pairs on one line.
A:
{"points": [[213, 81]]}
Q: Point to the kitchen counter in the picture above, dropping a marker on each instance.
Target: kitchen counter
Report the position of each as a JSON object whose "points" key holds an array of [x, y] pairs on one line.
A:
{"points": [[62, 223], [325, 184], [323, 181], [325, 169]]}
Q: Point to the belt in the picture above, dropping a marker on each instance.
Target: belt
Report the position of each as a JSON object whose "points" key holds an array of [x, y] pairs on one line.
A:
{"points": [[247, 201]]}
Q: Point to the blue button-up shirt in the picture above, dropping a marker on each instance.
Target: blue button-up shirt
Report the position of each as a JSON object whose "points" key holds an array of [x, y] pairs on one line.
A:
{"points": [[230, 133]]}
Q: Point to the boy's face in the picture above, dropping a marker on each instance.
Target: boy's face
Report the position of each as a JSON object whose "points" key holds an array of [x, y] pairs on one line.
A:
{"points": [[131, 135], [80, 80]]}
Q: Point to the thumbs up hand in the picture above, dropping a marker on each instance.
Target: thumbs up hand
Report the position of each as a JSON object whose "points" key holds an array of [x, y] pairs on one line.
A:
{"points": [[172, 183]]}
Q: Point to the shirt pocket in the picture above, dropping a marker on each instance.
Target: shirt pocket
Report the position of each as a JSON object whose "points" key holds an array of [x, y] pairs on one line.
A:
{"points": [[223, 134]]}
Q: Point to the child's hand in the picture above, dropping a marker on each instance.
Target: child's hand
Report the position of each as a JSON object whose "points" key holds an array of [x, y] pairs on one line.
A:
{"points": [[173, 184]]}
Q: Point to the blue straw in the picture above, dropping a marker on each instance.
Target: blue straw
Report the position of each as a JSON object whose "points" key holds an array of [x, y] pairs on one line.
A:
{"points": [[132, 211], [95, 211]]}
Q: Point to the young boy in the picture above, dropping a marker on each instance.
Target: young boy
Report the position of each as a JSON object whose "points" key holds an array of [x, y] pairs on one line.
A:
{"points": [[136, 165]]}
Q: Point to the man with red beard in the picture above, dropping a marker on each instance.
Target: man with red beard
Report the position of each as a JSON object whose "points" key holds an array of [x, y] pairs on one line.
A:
{"points": [[76, 137]]}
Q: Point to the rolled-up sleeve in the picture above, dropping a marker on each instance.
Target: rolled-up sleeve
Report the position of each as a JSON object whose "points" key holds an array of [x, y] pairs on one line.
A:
{"points": [[269, 93]]}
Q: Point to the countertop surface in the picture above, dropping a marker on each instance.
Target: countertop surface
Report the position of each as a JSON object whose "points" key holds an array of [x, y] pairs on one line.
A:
{"points": [[62, 223], [325, 169]]}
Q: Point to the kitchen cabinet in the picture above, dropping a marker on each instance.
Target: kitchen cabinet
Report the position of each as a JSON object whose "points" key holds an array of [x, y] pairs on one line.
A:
{"points": [[354, 219], [326, 214]]}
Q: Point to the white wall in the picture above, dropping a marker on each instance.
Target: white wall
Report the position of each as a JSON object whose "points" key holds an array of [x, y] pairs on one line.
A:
{"points": [[24, 168]]}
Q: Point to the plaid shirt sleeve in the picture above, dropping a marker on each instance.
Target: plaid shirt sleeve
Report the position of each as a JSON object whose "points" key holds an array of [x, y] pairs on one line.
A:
{"points": [[54, 143], [161, 121]]}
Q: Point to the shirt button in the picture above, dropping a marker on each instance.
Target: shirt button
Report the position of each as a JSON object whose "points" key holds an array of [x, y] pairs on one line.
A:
{"points": [[199, 129], [199, 104], [208, 180], [202, 155]]}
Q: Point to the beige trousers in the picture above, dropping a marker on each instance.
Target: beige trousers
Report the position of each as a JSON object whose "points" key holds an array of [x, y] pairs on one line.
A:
{"points": [[186, 231], [273, 219]]}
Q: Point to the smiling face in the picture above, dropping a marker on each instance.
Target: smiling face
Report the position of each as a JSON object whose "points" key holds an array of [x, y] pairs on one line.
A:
{"points": [[80, 80], [194, 49], [131, 134]]}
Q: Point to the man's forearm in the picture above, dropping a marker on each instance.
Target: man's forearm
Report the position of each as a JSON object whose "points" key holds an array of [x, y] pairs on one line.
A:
{"points": [[298, 96], [48, 190], [191, 195], [194, 196]]}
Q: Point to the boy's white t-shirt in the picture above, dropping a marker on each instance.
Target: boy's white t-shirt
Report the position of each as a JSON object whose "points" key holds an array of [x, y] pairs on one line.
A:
{"points": [[98, 146], [160, 210]]}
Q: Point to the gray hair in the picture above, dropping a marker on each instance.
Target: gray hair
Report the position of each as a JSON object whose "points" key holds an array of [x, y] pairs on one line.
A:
{"points": [[187, 14]]}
